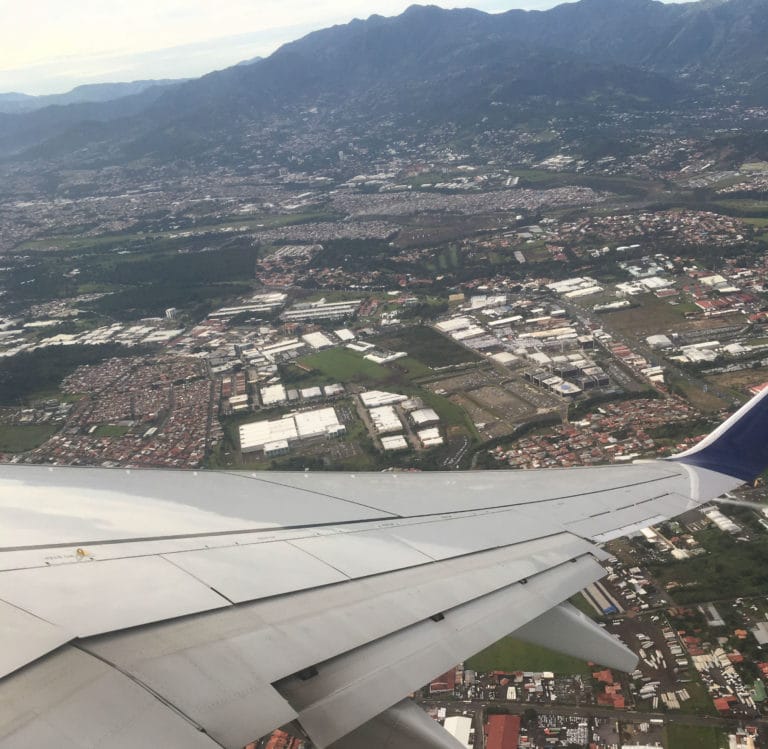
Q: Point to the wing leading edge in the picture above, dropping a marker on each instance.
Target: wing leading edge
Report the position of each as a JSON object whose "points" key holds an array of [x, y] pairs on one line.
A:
{"points": [[224, 605]]}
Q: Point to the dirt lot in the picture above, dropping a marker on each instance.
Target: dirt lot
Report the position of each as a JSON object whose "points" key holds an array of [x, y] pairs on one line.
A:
{"points": [[741, 381], [495, 399], [492, 426], [659, 316], [501, 403]]}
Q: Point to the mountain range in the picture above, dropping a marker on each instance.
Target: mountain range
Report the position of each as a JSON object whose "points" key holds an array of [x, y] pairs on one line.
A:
{"points": [[15, 103], [427, 65]]}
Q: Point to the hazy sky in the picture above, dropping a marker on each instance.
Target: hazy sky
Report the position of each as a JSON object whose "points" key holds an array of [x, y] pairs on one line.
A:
{"points": [[50, 46]]}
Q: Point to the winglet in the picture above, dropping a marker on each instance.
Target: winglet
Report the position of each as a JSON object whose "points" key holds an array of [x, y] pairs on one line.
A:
{"points": [[739, 446]]}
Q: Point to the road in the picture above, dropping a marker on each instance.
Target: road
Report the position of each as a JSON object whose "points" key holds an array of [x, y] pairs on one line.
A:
{"points": [[601, 712], [642, 348]]}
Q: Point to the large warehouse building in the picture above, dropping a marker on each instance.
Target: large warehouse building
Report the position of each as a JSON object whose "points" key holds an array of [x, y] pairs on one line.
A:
{"points": [[322, 422]]}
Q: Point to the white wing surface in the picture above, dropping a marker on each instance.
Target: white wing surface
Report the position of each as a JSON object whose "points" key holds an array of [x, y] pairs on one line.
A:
{"points": [[200, 609]]}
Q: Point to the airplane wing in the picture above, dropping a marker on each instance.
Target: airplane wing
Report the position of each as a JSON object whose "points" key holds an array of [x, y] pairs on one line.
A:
{"points": [[158, 608]]}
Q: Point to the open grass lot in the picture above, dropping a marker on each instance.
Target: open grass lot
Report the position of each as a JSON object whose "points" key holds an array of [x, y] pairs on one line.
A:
{"points": [[450, 414], [700, 702], [693, 737], [731, 568], [761, 223], [427, 345], [346, 366], [510, 654], [740, 382], [743, 206], [20, 438], [111, 430], [77, 241], [584, 606], [705, 400], [410, 368], [652, 316]]}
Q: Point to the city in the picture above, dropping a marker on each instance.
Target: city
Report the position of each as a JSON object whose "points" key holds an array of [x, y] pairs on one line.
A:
{"points": [[350, 282]]}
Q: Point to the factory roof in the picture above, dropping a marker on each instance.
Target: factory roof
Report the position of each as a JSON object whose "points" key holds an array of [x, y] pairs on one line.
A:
{"points": [[385, 419], [373, 398], [394, 442], [317, 340], [425, 416], [271, 394]]}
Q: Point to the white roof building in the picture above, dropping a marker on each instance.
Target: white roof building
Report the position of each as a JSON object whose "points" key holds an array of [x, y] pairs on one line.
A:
{"points": [[514, 320], [505, 358], [540, 358], [259, 433], [317, 340], [374, 398], [316, 423], [292, 427], [385, 357], [454, 324], [394, 443], [459, 727], [273, 394], [278, 447], [360, 346], [313, 392], [344, 334], [659, 341], [385, 420], [430, 437], [473, 331], [425, 417]]}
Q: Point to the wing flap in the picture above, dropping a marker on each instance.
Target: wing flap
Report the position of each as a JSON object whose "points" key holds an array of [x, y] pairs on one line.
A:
{"points": [[25, 637], [351, 689], [213, 666], [403, 726], [73, 700], [604, 526], [565, 629]]}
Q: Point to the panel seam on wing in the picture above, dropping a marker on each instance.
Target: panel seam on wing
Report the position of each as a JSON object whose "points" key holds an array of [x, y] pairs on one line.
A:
{"points": [[159, 697]]}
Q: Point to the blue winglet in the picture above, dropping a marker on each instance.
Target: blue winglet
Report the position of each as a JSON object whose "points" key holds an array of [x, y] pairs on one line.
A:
{"points": [[739, 446]]}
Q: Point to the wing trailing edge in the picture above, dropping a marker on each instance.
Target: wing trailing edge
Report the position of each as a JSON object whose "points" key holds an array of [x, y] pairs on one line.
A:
{"points": [[404, 726]]}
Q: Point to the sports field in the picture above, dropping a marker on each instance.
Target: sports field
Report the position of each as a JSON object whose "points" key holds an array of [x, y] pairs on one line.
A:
{"points": [[20, 438], [694, 737], [510, 654]]}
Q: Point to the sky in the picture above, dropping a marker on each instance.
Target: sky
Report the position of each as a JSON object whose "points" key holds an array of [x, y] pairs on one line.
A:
{"points": [[51, 46]]}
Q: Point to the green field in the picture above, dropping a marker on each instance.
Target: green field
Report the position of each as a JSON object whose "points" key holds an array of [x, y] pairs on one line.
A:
{"points": [[652, 316], [427, 345], [111, 430], [584, 606], [19, 439], [410, 368], [700, 702], [743, 206], [705, 401], [209, 225], [346, 366], [510, 654], [730, 569], [693, 737]]}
